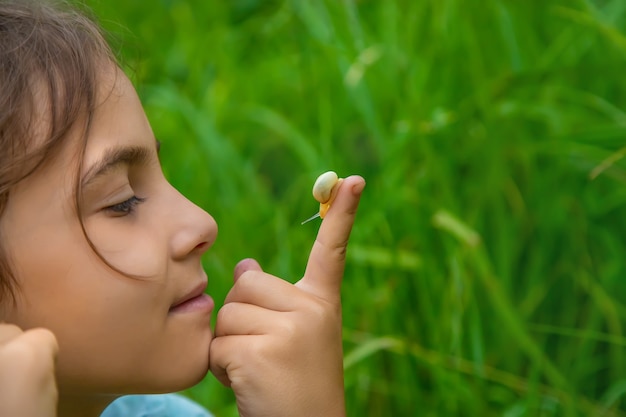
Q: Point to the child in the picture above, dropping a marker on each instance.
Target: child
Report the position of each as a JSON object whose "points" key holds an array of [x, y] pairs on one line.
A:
{"points": [[102, 292]]}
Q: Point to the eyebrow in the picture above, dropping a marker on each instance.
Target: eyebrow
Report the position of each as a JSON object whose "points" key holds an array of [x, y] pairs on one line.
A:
{"points": [[113, 157]]}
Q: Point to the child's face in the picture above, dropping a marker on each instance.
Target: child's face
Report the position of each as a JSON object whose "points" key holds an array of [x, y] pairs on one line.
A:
{"points": [[117, 333]]}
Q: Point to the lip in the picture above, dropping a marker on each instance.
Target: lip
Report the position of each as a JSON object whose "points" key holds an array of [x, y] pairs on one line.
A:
{"points": [[194, 300]]}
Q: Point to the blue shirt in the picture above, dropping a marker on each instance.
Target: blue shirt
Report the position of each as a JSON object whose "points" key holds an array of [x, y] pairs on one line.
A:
{"points": [[156, 405]]}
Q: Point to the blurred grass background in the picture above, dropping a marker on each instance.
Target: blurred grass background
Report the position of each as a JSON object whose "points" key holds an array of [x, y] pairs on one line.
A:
{"points": [[486, 274]]}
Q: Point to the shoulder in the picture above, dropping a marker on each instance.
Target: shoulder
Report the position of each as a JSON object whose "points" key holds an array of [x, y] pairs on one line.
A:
{"points": [[158, 405]]}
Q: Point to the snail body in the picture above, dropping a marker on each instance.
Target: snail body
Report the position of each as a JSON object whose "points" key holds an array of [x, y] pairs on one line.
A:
{"points": [[325, 191]]}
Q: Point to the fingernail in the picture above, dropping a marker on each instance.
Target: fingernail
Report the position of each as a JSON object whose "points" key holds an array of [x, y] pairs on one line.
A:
{"points": [[358, 188]]}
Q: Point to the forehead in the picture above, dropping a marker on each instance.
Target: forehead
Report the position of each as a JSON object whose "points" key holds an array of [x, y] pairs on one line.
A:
{"points": [[53, 112], [118, 120], [115, 120], [62, 119]]}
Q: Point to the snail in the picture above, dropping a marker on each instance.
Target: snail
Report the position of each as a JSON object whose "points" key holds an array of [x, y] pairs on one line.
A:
{"points": [[325, 191]]}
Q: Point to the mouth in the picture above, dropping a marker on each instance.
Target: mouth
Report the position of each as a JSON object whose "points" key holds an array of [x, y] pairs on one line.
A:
{"points": [[194, 301]]}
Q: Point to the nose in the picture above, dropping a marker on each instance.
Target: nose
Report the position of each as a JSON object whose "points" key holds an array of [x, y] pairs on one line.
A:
{"points": [[193, 229]]}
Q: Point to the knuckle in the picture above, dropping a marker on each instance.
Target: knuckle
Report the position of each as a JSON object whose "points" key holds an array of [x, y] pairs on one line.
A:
{"points": [[267, 348], [245, 280], [25, 355], [259, 349], [46, 338], [323, 313], [225, 312], [9, 331], [223, 318], [333, 251], [316, 310], [288, 330]]}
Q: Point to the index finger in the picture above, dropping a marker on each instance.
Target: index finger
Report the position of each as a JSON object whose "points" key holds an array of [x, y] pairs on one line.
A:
{"points": [[324, 270]]}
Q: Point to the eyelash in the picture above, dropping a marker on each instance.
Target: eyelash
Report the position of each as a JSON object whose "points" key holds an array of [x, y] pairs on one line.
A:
{"points": [[126, 207]]}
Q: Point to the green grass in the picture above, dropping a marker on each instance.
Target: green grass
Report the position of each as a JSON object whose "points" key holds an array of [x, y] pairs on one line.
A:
{"points": [[486, 273]]}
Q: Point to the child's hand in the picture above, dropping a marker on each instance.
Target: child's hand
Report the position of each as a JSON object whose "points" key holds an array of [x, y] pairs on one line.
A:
{"points": [[27, 384], [279, 345]]}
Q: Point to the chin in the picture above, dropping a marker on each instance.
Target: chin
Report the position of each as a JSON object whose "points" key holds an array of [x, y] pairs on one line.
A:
{"points": [[187, 368], [166, 364], [182, 381], [171, 378]]}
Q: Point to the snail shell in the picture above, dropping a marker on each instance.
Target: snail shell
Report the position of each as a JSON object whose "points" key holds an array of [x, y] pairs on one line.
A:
{"points": [[325, 191], [323, 187]]}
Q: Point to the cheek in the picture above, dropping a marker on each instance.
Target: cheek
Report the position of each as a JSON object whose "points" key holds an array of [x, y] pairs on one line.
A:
{"points": [[60, 273], [67, 289], [129, 246]]}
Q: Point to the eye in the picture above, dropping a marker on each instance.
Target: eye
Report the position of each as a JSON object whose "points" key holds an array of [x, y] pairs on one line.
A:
{"points": [[125, 207]]}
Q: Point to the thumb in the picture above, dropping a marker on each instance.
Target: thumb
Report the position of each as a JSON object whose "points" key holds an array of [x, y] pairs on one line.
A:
{"points": [[244, 265], [324, 270]]}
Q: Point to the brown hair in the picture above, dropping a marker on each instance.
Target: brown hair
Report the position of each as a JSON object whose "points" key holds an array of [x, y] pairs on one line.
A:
{"points": [[52, 51]]}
